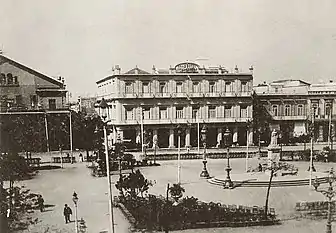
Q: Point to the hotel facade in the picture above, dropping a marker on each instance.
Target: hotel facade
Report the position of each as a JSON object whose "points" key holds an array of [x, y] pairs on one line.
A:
{"points": [[186, 95]]}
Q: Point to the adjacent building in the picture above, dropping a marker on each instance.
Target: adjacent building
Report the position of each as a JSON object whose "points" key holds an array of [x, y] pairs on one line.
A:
{"points": [[25, 89], [186, 95], [293, 103]]}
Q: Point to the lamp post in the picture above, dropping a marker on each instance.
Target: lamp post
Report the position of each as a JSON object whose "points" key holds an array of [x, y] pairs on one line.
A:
{"points": [[311, 168], [75, 200], [329, 193], [227, 143], [103, 105], [280, 139], [179, 132], [204, 173]]}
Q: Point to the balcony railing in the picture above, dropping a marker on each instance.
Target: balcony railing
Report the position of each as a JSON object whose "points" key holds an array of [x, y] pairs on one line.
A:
{"points": [[286, 118], [180, 94], [181, 121]]}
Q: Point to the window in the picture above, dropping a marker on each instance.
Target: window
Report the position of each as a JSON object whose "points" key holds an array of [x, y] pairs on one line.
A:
{"points": [[18, 99], [275, 110], [145, 87], [163, 113], [179, 113], [287, 110], [300, 110], [179, 87], [16, 80], [196, 87], [327, 110], [243, 111], [52, 104], [212, 87], [9, 79], [146, 113], [315, 110], [244, 87], [227, 111], [228, 87], [195, 112], [212, 112], [129, 89], [3, 79], [33, 100], [162, 87], [129, 114]]}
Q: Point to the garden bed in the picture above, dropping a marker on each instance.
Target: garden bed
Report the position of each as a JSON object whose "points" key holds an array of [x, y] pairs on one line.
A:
{"points": [[157, 213]]}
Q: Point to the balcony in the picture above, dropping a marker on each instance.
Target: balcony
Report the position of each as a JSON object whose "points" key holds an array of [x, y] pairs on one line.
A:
{"points": [[181, 121], [289, 118], [181, 95]]}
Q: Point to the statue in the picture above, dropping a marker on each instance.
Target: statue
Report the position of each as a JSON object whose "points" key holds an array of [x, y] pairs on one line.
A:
{"points": [[274, 138]]}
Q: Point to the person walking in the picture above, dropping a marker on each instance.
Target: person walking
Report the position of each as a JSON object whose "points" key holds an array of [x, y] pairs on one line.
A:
{"points": [[67, 212], [40, 202]]}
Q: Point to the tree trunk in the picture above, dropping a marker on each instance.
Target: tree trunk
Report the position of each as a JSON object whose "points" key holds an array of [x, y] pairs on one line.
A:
{"points": [[3, 218], [259, 146], [268, 192]]}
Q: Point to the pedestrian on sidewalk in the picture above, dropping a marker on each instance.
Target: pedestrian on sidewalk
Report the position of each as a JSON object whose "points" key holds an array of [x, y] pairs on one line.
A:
{"points": [[67, 212], [40, 202]]}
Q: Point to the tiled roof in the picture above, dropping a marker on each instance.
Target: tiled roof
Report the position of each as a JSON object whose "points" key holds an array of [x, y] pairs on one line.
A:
{"points": [[4, 59]]}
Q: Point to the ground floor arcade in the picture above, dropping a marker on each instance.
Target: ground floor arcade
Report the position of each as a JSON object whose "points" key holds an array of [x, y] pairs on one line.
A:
{"points": [[166, 136], [294, 129]]}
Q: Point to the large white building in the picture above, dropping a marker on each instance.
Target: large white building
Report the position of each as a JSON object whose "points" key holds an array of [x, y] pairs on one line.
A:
{"points": [[183, 95]]}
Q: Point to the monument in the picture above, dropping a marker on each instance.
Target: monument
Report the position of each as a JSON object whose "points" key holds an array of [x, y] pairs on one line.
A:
{"points": [[274, 150]]}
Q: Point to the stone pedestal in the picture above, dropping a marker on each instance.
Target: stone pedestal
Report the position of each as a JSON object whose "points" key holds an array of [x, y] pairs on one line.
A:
{"points": [[273, 156]]}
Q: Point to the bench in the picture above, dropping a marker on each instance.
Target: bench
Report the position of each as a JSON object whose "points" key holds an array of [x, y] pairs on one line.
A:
{"points": [[35, 162], [57, 159]]}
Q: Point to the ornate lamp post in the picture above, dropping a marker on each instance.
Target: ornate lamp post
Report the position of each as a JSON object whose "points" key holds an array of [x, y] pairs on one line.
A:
{"points": [[75, 201], [227, 143], [204, 173], [329, 193], [103, 105]]}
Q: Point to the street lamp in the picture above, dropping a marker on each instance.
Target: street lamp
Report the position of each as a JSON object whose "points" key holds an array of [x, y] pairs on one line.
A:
{"points": [[103, 105], [227, 143], [179, 132], [204, 173], [329, 194], [75, 200]]}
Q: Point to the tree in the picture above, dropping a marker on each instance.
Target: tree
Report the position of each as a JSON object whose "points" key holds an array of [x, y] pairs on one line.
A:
{"points": [[260, 120], [133, 184]]}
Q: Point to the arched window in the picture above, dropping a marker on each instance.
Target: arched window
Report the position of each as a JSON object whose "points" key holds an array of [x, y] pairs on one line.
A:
{"points": [[3, 79], [9, 79], [275, 110], [287, 110]]}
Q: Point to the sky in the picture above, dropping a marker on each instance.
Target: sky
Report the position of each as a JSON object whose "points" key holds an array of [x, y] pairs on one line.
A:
{"points": [[82, 40]]}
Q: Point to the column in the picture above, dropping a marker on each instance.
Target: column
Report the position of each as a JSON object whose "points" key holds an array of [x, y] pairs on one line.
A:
{"points": [[320, 133], [155, 138], [138, 136], [250, 137], [333, 131], [171, 138], [219, 136], [187, 138], [235, 135]]}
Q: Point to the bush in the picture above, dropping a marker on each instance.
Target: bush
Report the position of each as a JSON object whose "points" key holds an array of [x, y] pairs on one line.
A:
{"points": [[156, 213]]}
